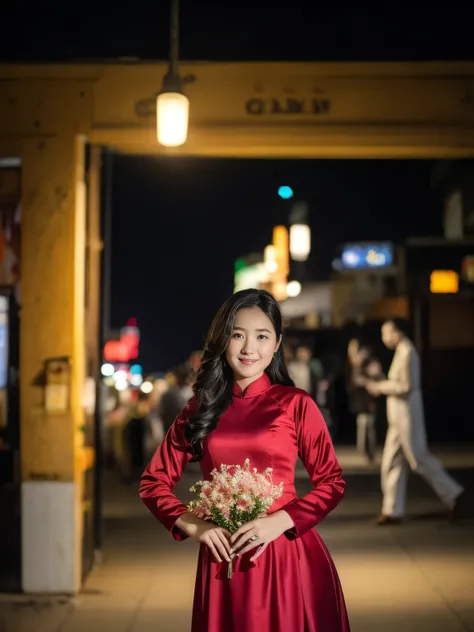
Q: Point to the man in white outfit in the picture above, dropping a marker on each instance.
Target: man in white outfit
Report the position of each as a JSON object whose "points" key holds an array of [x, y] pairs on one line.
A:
{"points": [[406, 445]]}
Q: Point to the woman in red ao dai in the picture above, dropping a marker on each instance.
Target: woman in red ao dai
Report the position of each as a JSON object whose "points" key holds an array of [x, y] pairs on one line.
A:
{"points": [[245, 406]]}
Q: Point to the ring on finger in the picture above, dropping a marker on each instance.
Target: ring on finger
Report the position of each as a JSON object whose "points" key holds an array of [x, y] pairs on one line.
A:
{"points": [[254, 538]]}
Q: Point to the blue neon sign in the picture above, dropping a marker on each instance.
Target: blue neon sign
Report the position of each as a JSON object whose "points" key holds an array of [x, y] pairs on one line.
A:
{"points": [[359, 256]]}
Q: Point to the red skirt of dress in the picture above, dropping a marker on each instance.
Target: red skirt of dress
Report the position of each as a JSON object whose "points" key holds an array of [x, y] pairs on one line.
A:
{"points": [[292, 587]]}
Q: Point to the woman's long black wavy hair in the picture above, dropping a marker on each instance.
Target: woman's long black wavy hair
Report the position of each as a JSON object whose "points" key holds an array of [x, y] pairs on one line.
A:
{"points": [[213, 385]]}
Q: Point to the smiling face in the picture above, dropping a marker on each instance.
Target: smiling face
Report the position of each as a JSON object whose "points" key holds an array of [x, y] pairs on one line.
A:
{"points": [[251, 346]]}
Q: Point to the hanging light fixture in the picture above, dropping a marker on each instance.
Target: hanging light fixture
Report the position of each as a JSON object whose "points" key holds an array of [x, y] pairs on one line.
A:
{"points": [[300, 232], [172, 105]]}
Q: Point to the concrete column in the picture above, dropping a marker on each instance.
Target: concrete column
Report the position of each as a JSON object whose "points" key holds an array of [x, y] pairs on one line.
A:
{"points": [[52, 325]]}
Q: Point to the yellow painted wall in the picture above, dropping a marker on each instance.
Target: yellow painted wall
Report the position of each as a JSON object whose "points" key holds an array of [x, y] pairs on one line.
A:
{"points": [[374, 110], [51, 316]]}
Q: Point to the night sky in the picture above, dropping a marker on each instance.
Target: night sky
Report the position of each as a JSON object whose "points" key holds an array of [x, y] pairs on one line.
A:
{"points": [[180, 223], [247, 30]]}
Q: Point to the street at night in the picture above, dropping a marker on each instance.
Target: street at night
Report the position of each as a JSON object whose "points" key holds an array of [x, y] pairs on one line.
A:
{"points": [[236, 317], [416, 577]]}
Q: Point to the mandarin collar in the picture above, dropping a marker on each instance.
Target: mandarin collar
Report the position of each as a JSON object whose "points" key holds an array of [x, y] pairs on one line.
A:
{"points": [[255, 388]]}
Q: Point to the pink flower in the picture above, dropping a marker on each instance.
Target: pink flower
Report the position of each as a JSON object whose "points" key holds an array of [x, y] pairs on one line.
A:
{"points": [[235, 486], [244, 504]]}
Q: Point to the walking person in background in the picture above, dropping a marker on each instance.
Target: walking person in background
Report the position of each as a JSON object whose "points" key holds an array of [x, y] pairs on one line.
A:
{"points": [[155, 430], [307, 372], [363, 368], [177, 396], [134, 434], [406, 443]]}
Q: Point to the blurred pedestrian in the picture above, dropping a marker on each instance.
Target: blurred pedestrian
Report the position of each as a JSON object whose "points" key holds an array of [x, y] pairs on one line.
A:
{"points": [[177, 396], [406, 444], [363, 368], [306, 371], [134, 438]]}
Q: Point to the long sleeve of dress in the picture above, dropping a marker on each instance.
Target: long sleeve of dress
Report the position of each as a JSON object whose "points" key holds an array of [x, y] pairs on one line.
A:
{"points": [[399, 380], [317, 453], [162, 474]]}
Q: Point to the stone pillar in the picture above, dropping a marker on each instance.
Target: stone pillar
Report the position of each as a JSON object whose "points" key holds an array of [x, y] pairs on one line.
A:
{"points": [[52, 325]]}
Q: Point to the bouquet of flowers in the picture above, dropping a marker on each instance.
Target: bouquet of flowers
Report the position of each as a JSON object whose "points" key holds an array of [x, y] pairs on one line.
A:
{"points": [[235, 495]]}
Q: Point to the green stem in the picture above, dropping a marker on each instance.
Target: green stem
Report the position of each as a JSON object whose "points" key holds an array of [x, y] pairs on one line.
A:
{"points": [[229, 570]]}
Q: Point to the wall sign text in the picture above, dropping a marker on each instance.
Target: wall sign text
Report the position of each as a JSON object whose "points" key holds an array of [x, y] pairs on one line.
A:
{"points": [[258, 106]]}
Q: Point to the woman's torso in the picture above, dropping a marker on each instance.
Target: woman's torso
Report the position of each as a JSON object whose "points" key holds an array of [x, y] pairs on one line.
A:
{"points": [[257, 427]]}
